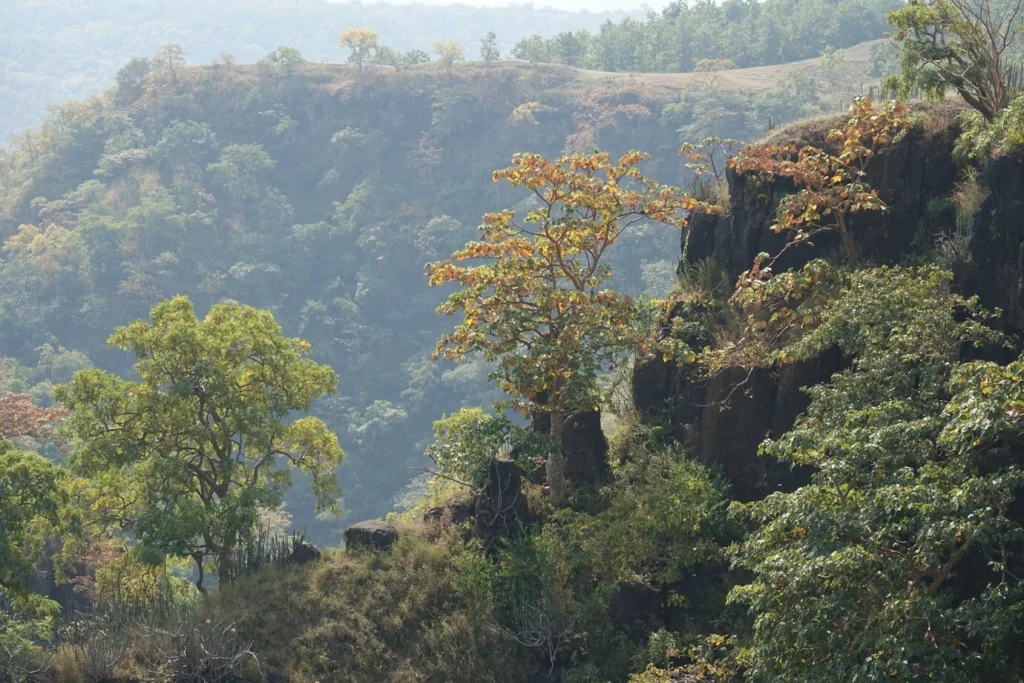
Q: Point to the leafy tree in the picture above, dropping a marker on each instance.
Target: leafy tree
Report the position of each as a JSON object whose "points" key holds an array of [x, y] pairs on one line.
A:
{"points": [[362, 42], [32, 495], [489, 48], [168, 62], [448, 52], [830, 185], [533, 50], [187, 457], [900, 560], [963, 45], [20, 417], [131, 79], [467, 440], [288, 60], [401, 60], [537, 306]]}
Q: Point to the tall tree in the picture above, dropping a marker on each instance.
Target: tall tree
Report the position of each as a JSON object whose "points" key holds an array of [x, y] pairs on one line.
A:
{"points": [[362, 42], [187, 457], [489, 48], [964, 45], [32, 495], [537, 306], [448, 52]]}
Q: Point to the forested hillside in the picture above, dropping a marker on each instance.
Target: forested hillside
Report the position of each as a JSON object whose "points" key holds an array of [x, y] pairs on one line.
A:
{"points": [[320, 194], [55, 51], [512, 371]]}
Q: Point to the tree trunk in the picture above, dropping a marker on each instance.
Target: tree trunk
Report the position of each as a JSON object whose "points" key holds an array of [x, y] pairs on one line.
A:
{"points": [[556, 459], [848, 244]]}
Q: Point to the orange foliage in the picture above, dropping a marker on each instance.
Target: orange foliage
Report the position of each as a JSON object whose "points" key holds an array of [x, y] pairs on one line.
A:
{"points": [[830, 185], [20, 417]]}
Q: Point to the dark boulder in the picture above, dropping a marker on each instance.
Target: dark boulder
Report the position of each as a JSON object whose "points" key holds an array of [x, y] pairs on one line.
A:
{"points": [[303, 553], [455, 512], [500, 505], [585, 449], [370, 535]]}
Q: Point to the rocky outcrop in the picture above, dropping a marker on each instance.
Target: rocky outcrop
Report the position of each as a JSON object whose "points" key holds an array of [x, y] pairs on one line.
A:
{"points": [[370, 535], [304, 553], [585, 449], [995, 271], [734, 411], [909, 175], [456, 512], [500, 507]]}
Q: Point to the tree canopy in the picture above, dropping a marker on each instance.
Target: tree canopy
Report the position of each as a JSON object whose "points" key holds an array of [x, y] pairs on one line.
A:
{"points": [[186, 457]]}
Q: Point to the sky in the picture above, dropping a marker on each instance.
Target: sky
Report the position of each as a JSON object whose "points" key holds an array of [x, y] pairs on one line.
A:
{"points": [[570, 5]]}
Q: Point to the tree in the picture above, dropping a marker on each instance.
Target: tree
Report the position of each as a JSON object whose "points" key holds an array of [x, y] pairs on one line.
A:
{"points": [[187, 457], [830, 185], [900, 561], [401, 60], [20, 417], [533, 49], [448, 52], [363, 45], [285, 59], [965, 45], [131, 79], [537, 307], [32, 495], [168, 62], [489, 48]]}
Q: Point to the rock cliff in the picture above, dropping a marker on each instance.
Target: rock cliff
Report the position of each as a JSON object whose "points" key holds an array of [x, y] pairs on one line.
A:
{"points": [[915, 177]]}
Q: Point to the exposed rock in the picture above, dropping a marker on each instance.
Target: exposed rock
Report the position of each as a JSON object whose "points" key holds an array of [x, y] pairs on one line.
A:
{"points": [[304, 553], [585, 448], [635, 605], [996, 271], [909, 175], [370, 535], [455, 512], [500, 505]]}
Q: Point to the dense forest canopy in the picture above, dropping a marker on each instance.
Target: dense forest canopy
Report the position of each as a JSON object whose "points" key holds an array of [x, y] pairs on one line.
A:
{"points": [[642, 384], [268, 185]]}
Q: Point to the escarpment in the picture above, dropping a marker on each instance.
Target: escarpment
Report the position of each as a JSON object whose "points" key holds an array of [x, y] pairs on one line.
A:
{"points": [[727, 416]]}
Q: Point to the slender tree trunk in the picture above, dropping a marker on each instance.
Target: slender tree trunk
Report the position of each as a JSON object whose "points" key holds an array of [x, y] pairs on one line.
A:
{"points": [[848, 244], [556, 459], [198, 557]]}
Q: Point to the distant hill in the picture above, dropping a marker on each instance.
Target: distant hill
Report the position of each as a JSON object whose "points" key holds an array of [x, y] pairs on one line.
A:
{"points": [[54, 50]]}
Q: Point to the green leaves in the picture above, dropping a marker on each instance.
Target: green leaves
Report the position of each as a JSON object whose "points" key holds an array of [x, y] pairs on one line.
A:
{"points": [[903, 542], [187, 456]]}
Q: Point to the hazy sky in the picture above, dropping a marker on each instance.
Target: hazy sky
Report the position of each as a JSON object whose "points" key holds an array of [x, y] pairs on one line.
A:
{"points": [[573, 5]]}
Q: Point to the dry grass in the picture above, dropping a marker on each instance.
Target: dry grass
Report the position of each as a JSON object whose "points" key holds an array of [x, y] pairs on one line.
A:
{"points": [[376, 618], [336, 77]]}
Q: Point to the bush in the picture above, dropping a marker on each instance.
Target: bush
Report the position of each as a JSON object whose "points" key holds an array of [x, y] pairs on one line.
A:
{"points": [[465, 442]]}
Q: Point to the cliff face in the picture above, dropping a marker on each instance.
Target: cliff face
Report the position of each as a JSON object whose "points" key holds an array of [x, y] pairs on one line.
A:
{"points": [[995, 271], [915, 177]]}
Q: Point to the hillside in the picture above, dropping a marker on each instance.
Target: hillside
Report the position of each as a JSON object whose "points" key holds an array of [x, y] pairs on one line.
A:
{"points": [[394, 166], [856, 63], [612, 363]]}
